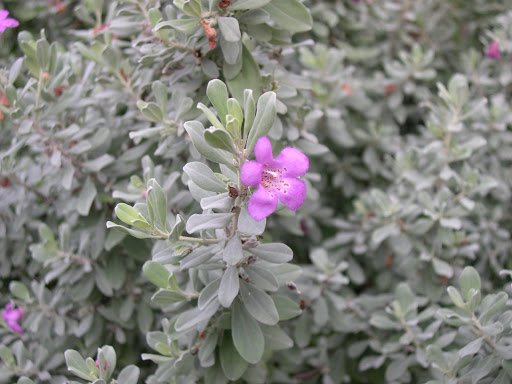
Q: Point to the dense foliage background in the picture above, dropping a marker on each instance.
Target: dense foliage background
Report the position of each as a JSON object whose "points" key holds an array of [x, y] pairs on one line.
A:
{"points": [[124, 233]]}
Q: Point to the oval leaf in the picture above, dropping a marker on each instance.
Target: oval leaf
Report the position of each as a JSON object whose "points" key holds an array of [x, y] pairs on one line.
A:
{"points": [[229, 286], [247, 335], [259, 304]]}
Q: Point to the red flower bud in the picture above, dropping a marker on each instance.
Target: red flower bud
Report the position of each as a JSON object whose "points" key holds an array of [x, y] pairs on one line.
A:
{"points": [[57, 91], [100, 28], [388, 263], [5, 102], [210, 33], [223, 4], [346, 88], [233, 192]]}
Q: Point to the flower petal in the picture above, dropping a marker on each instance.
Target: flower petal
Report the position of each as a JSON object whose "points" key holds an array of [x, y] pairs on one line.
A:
{"points": [[293, 193], [12, 314], [293, 162], [3, 14], [9, 315], [250, 174], [15, 326], [262, 204], [10, 23], [263, 150], [17, 314]]}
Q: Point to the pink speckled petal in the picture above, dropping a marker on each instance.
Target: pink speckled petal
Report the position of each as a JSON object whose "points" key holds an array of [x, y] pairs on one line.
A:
{"points": [[250, 173], [263, 150], [3, 14], [293, 194], [293, 162], [262, 204]]}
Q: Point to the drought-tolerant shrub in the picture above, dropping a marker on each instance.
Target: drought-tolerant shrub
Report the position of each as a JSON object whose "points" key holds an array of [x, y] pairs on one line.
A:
{"points": [[259, 191]]}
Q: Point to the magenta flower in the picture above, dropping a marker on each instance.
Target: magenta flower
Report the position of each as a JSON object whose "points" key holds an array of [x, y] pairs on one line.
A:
{"points": [[12, 317], [493, 50], [6, 21], [275, 179]]}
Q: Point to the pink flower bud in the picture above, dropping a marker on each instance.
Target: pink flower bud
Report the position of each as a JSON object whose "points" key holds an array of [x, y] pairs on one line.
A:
{"points": [[493, 50]]}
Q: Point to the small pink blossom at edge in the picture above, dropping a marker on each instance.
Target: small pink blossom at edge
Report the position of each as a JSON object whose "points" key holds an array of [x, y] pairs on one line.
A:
{"points": [[493, 50], [12, 316]]}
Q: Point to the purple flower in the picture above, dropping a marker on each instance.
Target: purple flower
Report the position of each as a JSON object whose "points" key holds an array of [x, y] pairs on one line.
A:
{"points": [[12, 317], [276, 178], [6, 21], [493, 50]]}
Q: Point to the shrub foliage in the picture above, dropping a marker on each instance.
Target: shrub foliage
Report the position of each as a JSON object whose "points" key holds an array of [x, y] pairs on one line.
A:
{"points": [[128, 254]]}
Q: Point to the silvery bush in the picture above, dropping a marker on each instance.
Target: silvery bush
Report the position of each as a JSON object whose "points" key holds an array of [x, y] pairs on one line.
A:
{"points": [[129, 248]]}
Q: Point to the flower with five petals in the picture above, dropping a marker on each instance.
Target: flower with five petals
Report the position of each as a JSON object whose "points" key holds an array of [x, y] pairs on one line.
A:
{"points": [[275, 179]]}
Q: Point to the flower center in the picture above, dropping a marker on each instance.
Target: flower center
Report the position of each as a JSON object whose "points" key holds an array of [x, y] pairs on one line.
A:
{"points": [[272, 180]]}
